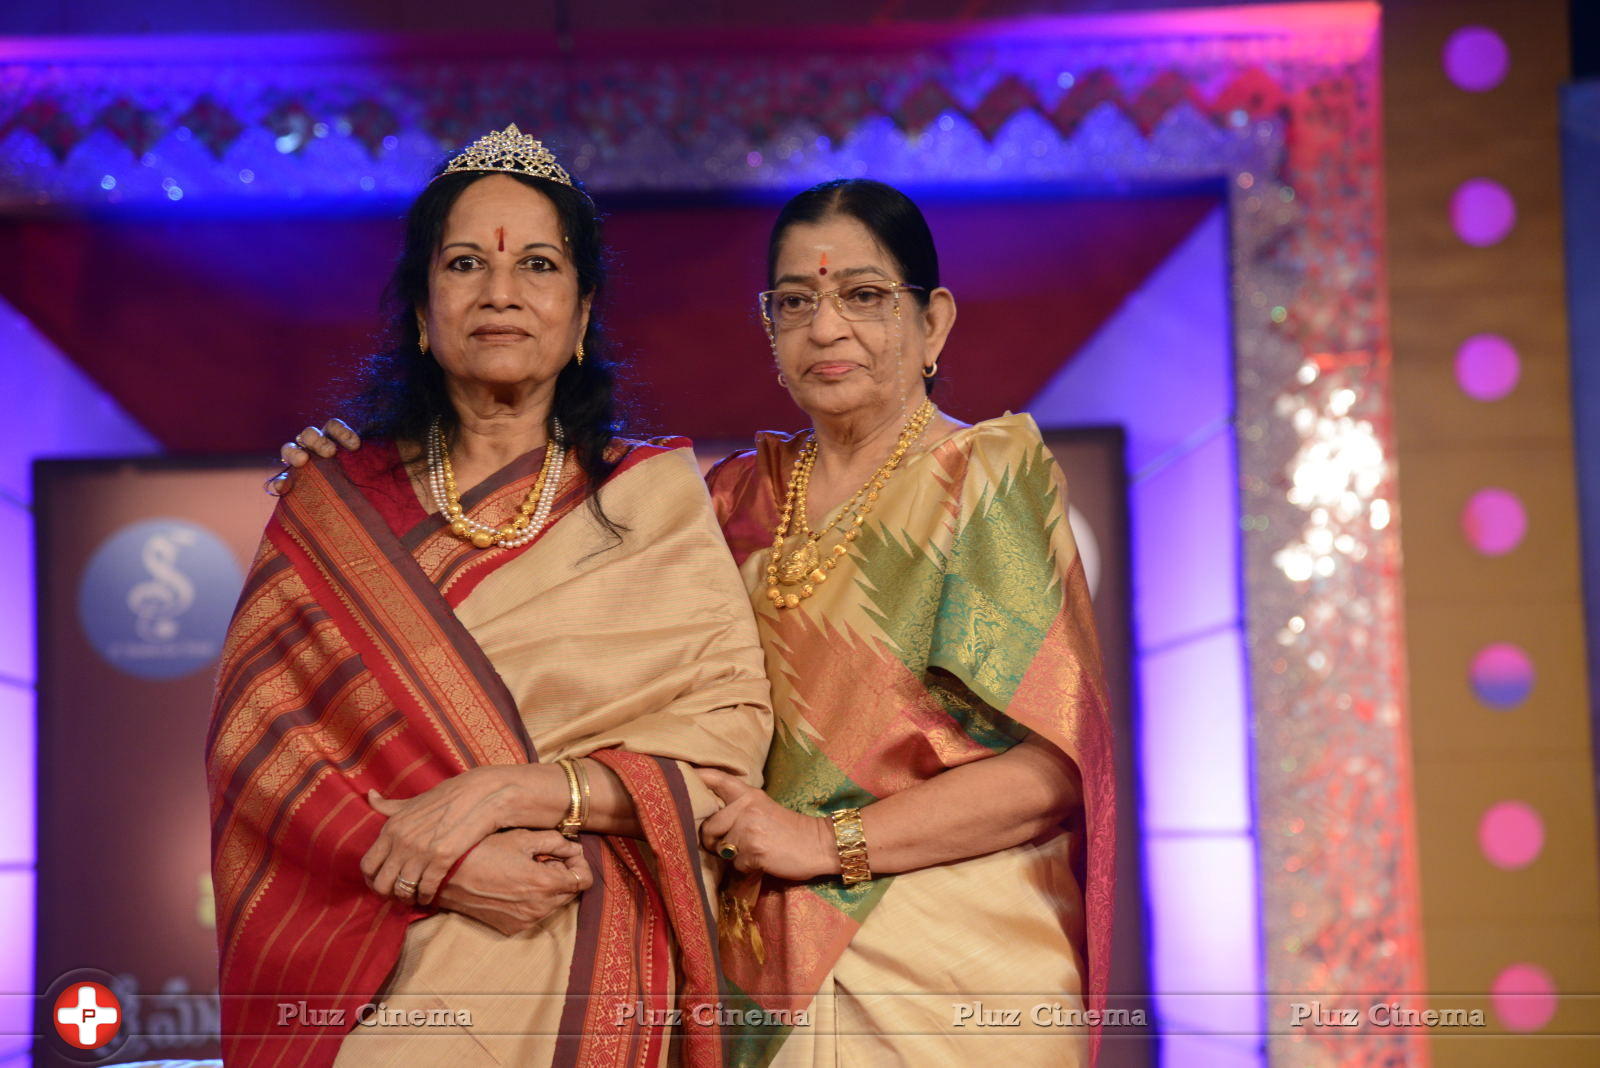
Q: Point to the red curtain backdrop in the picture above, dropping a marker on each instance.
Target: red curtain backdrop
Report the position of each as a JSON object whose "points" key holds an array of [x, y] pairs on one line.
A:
{"points": [[228, 334]]}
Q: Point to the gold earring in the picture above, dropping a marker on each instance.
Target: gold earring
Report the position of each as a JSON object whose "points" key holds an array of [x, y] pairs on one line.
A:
{"points": [[580, 352], [929, 372]]}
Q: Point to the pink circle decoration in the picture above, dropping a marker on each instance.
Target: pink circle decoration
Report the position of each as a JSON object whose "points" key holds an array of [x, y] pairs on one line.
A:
{"points": [[1483, 212], [1487, 367], [1476, 58], [1524, 997], [1502, 675], [1494, 521], [1511, 835]]}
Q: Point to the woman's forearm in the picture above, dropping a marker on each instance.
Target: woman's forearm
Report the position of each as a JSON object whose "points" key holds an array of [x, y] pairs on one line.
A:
{"points": [[611, 808], [972, 810], [540, 796]]}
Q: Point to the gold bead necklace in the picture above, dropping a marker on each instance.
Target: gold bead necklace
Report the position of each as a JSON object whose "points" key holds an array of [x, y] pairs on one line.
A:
{"points": [[806, 566], [532, 513]]}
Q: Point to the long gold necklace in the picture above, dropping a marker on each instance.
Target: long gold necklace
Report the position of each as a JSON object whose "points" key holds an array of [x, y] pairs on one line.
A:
{"points": [[806, 566], [532, 514]]}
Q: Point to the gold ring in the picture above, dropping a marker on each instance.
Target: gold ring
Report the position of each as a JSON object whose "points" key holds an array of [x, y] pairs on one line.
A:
{"points": [[577, 883], [728, 851], [409, 886]]}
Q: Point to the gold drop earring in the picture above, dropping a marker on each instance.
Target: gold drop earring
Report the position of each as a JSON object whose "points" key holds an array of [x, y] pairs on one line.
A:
{"points": [[772, 343]]}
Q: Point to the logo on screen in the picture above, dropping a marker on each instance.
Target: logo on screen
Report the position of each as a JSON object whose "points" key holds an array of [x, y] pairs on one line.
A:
{"points": [[87, 1015], [156, 598]]}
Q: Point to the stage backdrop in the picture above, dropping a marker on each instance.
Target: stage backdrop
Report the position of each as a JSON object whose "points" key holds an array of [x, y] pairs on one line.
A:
{"points": [[140, 564]]}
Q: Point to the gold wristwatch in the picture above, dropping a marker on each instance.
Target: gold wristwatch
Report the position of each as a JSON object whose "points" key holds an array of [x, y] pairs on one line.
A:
{"points": [[851, 841]]}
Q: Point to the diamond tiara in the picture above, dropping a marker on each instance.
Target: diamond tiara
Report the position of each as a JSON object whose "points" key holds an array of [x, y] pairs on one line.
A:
{"points": [[512, 151]]}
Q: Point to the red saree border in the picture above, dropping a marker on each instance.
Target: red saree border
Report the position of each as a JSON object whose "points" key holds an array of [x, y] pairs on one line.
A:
{"points": [[1088, 741], [662, 803], [616, 989]]}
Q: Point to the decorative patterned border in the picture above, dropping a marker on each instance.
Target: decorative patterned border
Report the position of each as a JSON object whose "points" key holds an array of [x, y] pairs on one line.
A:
{"points": [[321, 118], [1281, 103]]}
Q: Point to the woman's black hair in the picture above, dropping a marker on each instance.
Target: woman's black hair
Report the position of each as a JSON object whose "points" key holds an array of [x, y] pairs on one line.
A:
{"points": [[891, 217], [400, 390]]}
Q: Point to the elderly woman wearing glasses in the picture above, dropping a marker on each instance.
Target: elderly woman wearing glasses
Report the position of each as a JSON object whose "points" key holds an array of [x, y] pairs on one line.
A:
{"points": [[933, 850], [939, 793]]}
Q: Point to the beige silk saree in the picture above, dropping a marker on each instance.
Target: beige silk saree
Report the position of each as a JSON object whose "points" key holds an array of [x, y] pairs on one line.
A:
{"points": [[373, 650], [959, 623]]}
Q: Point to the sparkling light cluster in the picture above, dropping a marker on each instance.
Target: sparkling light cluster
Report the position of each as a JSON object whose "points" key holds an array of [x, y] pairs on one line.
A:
{"points": [[1334, 477]]}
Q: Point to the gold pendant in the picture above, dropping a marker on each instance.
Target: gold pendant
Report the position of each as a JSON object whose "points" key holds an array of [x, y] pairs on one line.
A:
{"points": [[798, 564]]}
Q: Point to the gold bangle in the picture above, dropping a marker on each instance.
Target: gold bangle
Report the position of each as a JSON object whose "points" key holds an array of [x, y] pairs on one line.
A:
{"points": [[583, 784], [573, 823], [851, 840]]}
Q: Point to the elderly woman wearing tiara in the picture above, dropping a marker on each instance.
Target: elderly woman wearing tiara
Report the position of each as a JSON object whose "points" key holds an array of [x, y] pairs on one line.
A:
{"points": [[473, 672]]}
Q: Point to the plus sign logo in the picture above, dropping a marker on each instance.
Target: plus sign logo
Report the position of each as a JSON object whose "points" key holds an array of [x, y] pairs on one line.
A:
{"points": [[87, 1015]]}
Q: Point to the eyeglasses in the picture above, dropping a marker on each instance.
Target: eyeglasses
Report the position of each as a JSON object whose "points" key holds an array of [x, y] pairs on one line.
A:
{"points": [[860, 302]]}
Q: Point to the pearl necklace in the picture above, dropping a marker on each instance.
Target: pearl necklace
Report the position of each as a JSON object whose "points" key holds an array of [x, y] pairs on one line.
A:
{"points": [[532, 513], [805, 565]]}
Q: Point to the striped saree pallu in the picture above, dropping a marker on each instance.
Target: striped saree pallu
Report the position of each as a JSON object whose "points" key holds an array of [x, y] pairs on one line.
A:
{"points": [[345, 670]]}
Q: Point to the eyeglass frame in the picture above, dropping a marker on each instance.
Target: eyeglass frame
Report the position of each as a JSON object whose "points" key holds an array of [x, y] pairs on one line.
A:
{"points": [[838, 304]]}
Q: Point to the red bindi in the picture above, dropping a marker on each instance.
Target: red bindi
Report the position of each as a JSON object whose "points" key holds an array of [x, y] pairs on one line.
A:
{"points": [[822, 266], [501, 234]]}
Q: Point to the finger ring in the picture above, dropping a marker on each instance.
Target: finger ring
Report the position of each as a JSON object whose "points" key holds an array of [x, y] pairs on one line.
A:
{"points": [[408, 885], [577, 883], [727, 851]]}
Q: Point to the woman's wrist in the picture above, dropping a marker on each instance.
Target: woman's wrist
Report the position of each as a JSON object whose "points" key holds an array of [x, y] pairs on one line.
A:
{"points": [[827, 846], [537, 796]]}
